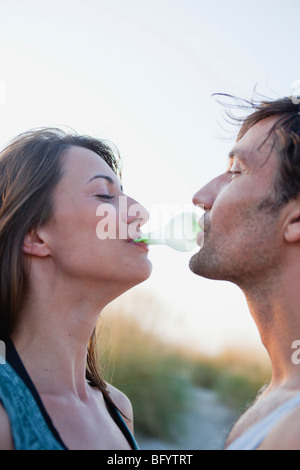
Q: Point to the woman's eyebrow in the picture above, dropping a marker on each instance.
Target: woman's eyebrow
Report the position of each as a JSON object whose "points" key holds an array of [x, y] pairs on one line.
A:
{"points": [[107, 178]]}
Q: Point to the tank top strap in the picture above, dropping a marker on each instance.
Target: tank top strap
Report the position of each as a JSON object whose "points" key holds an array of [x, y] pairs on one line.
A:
{"points": [[28, 426], [31, 426], [117, 417]]}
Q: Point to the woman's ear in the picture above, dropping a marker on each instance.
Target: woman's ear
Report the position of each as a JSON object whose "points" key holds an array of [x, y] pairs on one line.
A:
{"points": [[34, 244], [292, 229]]}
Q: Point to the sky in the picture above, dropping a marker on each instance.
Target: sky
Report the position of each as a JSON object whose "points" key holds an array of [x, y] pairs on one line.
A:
{"points": [[141, 73]]}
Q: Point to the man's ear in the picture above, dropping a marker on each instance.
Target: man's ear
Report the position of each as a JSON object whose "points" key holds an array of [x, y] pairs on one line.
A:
{"points": [[34, 244], [292, 229]]}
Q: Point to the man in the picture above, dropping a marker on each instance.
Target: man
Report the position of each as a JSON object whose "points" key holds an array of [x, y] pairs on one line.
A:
{"points": [[252, 238]]}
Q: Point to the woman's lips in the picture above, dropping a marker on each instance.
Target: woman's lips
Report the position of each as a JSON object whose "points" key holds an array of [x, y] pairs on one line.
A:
{"points": [[142, 245]]}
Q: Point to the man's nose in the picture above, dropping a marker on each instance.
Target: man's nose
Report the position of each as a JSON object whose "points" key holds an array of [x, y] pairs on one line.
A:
{"points": [[206, 196]]}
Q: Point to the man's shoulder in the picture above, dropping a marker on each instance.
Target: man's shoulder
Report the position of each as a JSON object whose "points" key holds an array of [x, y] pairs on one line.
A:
{"points": [[266, 407], [285, 435]]}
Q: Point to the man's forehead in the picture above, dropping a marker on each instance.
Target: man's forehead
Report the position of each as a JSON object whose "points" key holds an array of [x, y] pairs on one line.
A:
{"points": [[255, 142]]}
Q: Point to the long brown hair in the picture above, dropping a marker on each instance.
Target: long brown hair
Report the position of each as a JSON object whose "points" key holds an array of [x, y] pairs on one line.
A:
{"points": [[30, 169]]}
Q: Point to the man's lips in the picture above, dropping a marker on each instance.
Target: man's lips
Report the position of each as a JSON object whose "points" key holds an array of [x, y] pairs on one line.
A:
{"points": [[201, 223], [204, 225], [204, 222]]}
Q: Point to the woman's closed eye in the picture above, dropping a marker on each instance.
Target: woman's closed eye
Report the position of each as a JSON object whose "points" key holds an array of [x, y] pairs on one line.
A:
{"points": [[104, 196]]}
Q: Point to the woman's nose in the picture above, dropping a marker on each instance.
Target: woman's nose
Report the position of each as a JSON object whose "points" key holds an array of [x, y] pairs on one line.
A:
{"points": [[136, 212]]}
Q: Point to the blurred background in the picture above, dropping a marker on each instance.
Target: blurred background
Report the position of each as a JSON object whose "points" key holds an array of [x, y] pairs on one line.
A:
{"points": [[141, 73]]}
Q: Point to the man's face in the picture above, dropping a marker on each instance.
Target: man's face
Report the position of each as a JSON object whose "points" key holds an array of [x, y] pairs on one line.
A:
{"points": [[241, 233]]}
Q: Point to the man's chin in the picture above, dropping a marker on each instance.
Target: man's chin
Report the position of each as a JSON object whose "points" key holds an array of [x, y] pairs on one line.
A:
{"points": [[195, 264], [203, 265]]}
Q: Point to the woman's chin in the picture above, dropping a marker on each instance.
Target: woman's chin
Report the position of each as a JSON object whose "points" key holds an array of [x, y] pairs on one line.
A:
{"points": [[141, 273]]}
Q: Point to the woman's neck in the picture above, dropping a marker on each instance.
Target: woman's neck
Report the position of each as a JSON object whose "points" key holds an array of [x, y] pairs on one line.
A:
{"points": [[51, 337]]}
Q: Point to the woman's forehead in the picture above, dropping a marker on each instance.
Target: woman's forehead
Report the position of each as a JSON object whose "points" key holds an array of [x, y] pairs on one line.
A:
{"points": [[82, 164]]}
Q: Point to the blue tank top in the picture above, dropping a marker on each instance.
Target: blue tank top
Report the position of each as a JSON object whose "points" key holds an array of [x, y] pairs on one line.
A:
{"points": [[31, 426]]}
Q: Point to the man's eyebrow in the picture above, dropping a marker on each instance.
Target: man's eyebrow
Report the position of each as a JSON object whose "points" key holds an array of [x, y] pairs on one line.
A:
{"points": [[237, 154], [107, 178]]}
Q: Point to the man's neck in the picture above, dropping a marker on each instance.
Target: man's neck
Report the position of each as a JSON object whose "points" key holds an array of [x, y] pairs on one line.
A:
{"points": [[276, 314]]}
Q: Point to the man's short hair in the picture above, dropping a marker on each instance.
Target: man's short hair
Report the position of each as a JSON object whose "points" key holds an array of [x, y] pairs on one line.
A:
{"points": [[285, 134]]}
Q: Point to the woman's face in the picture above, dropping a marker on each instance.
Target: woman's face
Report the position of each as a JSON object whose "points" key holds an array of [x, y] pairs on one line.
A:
{"points": [[90, 232]]}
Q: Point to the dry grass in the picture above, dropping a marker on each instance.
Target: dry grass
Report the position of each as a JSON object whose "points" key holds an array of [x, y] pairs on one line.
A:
{"points": [[157, 376]]}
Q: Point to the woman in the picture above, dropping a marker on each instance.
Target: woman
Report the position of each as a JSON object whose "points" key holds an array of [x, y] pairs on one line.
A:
{"points": [[57, 273]]}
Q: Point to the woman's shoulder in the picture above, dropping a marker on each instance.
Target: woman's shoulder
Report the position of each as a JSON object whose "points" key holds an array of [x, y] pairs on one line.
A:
{"points": [[6, 441], [123, 404]]}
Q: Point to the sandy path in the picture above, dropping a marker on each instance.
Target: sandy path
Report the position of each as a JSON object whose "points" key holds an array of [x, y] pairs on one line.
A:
{"points": [[206, 426]]}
